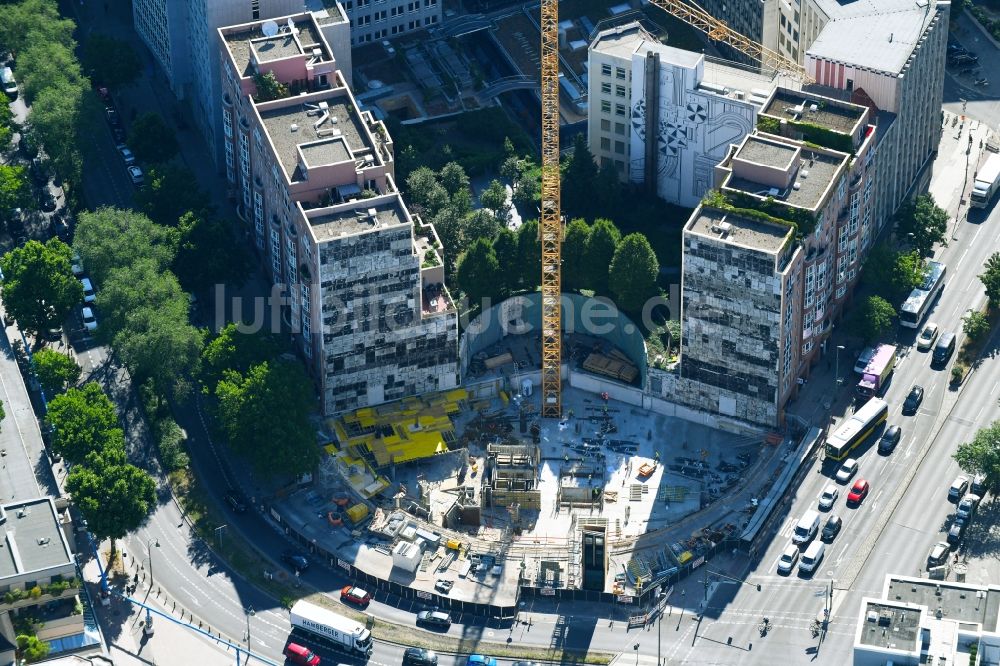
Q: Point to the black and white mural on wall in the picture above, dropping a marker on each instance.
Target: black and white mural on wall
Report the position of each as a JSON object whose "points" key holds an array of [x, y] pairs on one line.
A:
{"points": [[694, 127]]}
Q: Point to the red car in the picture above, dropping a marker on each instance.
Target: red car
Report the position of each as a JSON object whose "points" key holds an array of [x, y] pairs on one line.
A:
{"points": [[355, 595], [858, 492]]}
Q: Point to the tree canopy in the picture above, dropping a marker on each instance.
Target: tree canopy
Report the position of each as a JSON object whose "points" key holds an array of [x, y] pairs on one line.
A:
{"points": [[110, 238], [84, 421], [56, 371], [982, 454], [893, 274], [43, 63], [633, 272], [232, 349], [170, 191], [601, 245], [574, 255], [579, 179], [209, 253], [494, 199], [871, 319], [39, 288], [922, 223], [15, 191], [529, 255], [990, 277], [265, 415], [110, 61], [268, 87], [152, 140], [505, 250], [479, 272]]}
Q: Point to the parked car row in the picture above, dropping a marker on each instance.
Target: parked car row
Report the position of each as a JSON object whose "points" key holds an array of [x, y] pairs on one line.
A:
{"points": [[87, 314], [111, 114]]}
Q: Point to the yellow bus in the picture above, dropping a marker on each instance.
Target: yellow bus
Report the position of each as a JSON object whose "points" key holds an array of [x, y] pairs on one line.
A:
{"points": [[856, 429]]}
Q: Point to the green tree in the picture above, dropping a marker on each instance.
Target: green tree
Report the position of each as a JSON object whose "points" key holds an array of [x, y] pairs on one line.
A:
{"points": [[633, 271], [15, 191], [479, 272], [44, 64], [58, 123], [461, 202], [265, 414], [494, 198], [505, 250], [7, 127], [55, 371], [171, 191], [208, 253], [990, 277], [601, 245], [31, 648], [268, 87], [84, 421], [607, 195], [892, 274], [114, 497], [479, 224], [110, 238], [528, 189], [529, 255], [111, 62], [510, 170], [574, 255], [922, 223], [982, 454], [39, 288], [151, 139], [454, 178], [34, 21], [579, 180], [426, 192], [871, 318], [238, 351], [976, 325]]}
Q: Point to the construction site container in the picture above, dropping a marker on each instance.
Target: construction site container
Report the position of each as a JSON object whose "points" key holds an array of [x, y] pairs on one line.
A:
{"points": [[357, 513]]}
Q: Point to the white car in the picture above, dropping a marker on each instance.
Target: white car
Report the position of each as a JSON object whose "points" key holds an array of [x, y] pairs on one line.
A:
{"points": [[77, 264], [847, 470], [89, 320], [927, 336], [786, 563], [127, 157], [88, 290], [135, 173], [829, 497]]}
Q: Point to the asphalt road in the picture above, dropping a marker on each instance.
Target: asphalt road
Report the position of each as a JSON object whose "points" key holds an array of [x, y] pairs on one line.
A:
{"points": [[981, 103]]}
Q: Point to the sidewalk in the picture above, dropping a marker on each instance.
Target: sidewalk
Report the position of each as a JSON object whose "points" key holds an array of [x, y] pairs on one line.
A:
{"points": [[123, 626]]}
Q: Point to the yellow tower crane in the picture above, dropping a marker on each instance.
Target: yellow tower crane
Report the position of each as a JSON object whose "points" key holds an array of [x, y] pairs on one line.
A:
{"points": [[550, 225]]}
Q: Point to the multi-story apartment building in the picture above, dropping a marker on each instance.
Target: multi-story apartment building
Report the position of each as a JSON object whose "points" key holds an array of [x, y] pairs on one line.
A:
{"points": [[362, 278], [374, 20], [38, 575], [689, 107], [741, 288], [889, 54], [181, 36]]}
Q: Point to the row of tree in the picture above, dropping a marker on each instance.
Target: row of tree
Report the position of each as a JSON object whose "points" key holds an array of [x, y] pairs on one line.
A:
{"points": [[595, 258]]}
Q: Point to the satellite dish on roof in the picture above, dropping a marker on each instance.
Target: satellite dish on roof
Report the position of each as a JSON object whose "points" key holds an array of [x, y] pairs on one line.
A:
{"points": [[270, 28]]}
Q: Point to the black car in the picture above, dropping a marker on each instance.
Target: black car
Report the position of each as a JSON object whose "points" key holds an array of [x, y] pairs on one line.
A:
{"points": [[112, 115], [297, 561], [831, 529], [434, 619], [955, 533], [420, 657], [913, 399], [890, 438], [235, 501]]}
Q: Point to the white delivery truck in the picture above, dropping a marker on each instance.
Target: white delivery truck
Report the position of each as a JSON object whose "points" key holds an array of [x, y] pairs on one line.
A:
{"points": [[986, 183], [335, 629]]}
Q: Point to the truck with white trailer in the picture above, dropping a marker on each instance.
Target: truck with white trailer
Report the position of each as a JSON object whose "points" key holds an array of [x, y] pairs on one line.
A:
{"points": [[332, 628], [986, 183]]}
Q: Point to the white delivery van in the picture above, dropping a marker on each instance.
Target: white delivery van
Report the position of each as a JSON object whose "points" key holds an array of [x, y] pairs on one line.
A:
{"points": [[806, 528], [812, 557]]}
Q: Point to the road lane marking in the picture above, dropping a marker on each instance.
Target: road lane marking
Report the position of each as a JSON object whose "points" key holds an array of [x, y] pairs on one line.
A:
{"points": [[972, 283], [979, 413], [843, 551], [962, 259], [994, 389]]}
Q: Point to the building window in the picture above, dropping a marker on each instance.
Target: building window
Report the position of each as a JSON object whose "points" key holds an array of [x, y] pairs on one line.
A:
{"points": [[244, 155], [230, 158], [246, 192], [841, 291], [605, 143], [605, 106], [620, 129], [620, 73], [380, 16], [807, 347], [305, 298], [619, 109], [620, 147], [227, 123], [258, 209], [606, 87], [619, 91], [606, 69], [605, 125], [255, 9]]}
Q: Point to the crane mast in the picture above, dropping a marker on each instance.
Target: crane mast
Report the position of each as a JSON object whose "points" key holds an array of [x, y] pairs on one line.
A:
{"points": [[550, 224]]}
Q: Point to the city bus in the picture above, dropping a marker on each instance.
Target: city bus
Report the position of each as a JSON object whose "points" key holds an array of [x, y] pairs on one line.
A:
{"points": [[920, 299], [856, 429]]}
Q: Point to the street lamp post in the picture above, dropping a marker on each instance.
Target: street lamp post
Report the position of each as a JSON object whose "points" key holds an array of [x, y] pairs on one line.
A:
{"points": [[149, 549], [839, 347], [250, 612]]}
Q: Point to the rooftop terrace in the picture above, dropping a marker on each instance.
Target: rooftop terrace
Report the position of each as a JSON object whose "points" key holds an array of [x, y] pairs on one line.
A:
{"points": [[740, 230], [348, 220], [836, 116], [251, 40], [890, 626], [304, 124], [33, 539], [811, 177]]}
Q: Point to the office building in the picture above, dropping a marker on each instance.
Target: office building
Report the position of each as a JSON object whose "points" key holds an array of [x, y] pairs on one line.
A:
{"points": [[361, 277], [691, 106], [375, 20]]}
